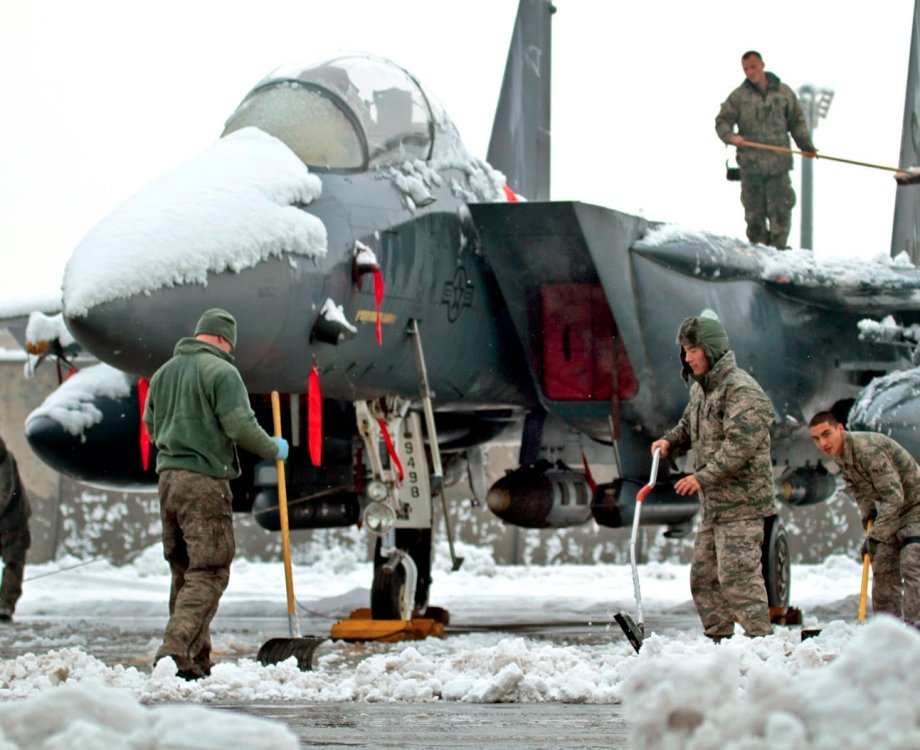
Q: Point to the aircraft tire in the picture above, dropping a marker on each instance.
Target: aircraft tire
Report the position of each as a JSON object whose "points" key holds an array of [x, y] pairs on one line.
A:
{"points": [[776, 562], [386, 590], [386, 593]]}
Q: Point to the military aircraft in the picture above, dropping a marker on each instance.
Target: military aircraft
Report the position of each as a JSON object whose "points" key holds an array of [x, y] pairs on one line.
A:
{"points": [[412, 307]]}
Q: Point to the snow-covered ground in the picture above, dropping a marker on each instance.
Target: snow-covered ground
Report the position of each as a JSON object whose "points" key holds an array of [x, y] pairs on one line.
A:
{"points": [[851, 686]]}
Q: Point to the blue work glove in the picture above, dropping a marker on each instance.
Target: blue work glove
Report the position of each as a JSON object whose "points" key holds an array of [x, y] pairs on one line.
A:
{"points": [[283, 447]]}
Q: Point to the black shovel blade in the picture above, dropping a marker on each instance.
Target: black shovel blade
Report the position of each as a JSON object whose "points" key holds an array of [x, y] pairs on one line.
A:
{"points": [[907, 178], [277, 650], [632, 631], [810, 633]]}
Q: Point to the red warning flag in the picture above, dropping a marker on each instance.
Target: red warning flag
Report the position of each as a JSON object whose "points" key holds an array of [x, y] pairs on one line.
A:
{"points": [[391, 449], [144, 438], [315, 417], [378, 300]]}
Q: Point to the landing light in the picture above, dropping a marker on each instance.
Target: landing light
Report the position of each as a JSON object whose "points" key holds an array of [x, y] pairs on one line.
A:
{"points": [[379, 518], [376, 491]]}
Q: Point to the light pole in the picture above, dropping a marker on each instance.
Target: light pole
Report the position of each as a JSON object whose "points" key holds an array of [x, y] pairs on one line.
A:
{"points": [[815, 103]]}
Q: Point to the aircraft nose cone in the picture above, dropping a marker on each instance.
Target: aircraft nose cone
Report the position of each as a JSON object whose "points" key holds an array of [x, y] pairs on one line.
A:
{"points": [[142, 276], [139, 334], [498, 499]]}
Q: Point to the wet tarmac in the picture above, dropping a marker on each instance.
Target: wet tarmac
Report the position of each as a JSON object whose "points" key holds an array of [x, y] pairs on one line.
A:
{"points": [[453, 726]]}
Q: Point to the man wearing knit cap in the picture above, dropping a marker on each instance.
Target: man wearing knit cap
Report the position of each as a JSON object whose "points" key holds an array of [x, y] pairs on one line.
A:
{"points": [[14, 533], [197, 412], [727, 425]]}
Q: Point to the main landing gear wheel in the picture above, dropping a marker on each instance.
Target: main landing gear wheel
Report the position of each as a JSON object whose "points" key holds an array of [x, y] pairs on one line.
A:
{"points": [[776, 562]]}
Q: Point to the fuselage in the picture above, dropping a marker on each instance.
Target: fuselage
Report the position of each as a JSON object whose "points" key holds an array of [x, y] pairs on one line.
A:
{"points": [[397, 181]]}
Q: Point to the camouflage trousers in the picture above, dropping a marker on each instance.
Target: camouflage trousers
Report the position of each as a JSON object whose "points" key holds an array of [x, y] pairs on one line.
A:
{"points": [[726, 578], [197, 519], [896, 576], [14, 543], [768, 200]]}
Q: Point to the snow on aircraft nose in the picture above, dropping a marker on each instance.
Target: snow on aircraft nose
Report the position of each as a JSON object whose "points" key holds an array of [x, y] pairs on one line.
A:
{"points": [[223, 230]]}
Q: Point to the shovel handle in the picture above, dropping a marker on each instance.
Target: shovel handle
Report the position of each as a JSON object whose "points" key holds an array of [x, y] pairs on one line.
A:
{"points": [[816, 155], [285, 529], [864, 587], [653, 477]]}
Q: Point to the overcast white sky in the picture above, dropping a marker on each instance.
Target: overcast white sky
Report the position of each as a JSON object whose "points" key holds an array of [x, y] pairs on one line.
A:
{"points": [[101, 97]]}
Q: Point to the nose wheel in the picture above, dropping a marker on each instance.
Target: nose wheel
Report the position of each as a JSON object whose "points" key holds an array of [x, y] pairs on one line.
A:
{"points": [[389, 597]]}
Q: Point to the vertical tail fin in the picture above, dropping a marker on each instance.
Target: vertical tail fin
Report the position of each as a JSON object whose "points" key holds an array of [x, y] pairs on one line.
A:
{"points": [[520, 143], [906, 232]]}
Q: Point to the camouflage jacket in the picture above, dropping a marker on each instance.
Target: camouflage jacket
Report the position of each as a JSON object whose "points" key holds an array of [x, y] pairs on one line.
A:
{"points": [[727, 425], [14, 505], [881, 475], [765, 117]]}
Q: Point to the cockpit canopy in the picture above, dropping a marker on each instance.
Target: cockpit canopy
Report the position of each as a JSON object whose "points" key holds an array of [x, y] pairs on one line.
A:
{"points": [[346, 115]]}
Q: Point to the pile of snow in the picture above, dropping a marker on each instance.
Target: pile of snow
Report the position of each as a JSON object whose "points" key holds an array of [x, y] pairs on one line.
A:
{"points": [[90, 715], [867, 698]]}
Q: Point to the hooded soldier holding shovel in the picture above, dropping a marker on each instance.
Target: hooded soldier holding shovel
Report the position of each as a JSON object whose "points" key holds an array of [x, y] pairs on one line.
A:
{"points": [[726, 425], [885, 481]]}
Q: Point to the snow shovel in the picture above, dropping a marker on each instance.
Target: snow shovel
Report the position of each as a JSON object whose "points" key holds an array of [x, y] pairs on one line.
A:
{"points": [[635, 631], [903, 176], [276, 650], [863, 593], [864, 586]]}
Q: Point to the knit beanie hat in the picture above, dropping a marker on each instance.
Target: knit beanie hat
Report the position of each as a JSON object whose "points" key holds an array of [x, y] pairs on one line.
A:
{"points": [[218, 322], [705, 331]]}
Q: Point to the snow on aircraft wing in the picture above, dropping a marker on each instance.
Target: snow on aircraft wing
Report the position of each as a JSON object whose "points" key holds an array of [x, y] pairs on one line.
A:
{"points": [[873, 287]]}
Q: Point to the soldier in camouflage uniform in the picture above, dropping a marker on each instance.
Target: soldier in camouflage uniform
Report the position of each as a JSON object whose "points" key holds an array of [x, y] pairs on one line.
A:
{"points": [[726, 427], [885, 481], [197, 411], [764, 110], [14, 533]]}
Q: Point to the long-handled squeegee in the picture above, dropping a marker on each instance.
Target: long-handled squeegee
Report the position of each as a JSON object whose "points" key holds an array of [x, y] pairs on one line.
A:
{"points": [[903, 175], [635, 631]]}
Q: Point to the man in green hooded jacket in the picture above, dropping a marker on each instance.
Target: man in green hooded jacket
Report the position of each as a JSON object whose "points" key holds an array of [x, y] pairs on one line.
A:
{"points": [[197, 412], [764, 110], [727, 425]]}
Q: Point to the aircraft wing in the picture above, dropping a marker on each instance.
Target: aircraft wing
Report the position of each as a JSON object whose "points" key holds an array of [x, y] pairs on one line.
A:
{"points": [[652, 276], [874, 288]]}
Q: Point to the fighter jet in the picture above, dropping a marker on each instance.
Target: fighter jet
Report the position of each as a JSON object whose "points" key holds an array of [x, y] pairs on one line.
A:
{"points": [[412, 306]]}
